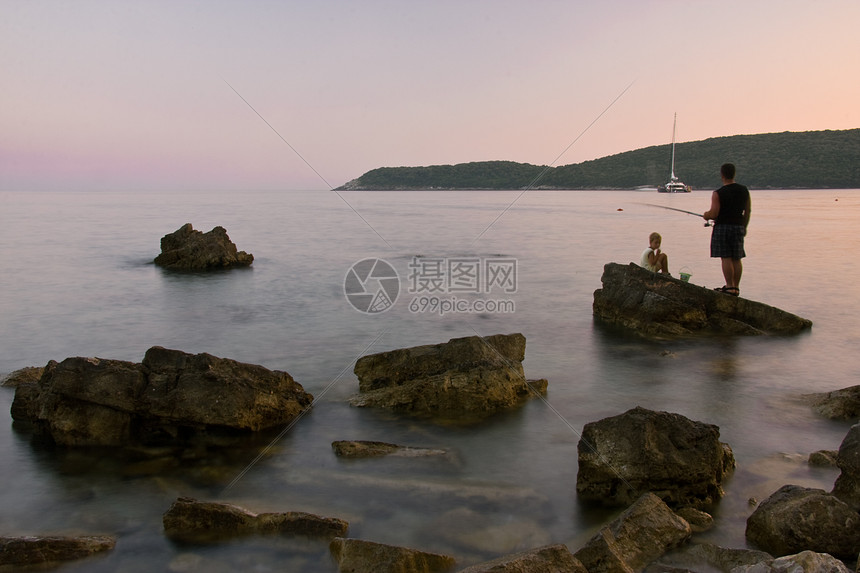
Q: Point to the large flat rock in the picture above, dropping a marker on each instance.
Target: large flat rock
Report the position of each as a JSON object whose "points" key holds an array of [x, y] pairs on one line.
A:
{"points": [[656, 305]]}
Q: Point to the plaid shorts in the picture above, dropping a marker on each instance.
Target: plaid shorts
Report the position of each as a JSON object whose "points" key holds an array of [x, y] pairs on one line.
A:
{"points": [[727, 241]]}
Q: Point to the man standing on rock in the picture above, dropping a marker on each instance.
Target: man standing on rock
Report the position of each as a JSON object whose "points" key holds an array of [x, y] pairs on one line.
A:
{"points": [[730, 211]]}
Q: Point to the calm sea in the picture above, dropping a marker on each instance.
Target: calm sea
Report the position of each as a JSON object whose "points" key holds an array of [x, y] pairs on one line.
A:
{"points": [[77, 280]]}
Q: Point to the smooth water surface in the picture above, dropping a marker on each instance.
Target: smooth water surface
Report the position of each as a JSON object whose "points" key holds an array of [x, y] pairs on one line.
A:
{"points": [[77, 279]]}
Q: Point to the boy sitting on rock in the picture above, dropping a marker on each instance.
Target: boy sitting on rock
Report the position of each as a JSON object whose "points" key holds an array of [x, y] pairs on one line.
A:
{"points": [[652, 258]]}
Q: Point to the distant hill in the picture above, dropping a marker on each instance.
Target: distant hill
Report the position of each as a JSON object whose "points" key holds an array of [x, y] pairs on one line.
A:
{"points": [[789, 160]]}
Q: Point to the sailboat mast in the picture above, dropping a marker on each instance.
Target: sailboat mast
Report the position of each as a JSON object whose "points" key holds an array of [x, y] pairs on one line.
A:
{"points": [[674, 124]]}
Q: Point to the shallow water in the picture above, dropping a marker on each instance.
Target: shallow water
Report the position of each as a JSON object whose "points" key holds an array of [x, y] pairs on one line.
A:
{"points": [[77, 280]]}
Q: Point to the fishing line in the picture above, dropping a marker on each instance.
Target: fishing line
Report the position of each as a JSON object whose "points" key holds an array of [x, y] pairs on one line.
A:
{"points": [[552, 409], [323, 179], [550, 166], [301, 414]]}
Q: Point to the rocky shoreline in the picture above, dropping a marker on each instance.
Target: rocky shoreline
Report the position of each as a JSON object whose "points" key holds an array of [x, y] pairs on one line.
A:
{"points": [[666, 471]]}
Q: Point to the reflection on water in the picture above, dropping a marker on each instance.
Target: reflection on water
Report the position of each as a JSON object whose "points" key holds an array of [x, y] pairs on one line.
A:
{"points": [[504, 484]]}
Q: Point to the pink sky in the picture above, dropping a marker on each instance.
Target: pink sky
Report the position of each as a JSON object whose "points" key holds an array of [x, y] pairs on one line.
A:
{"points": [[106, 95]]}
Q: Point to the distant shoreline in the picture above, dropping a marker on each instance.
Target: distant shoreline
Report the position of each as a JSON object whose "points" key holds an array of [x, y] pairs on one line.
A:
{"points": [[807, 160]]}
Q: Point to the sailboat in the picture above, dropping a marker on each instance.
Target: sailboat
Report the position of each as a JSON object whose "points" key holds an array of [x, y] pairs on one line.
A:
{"points": [[674, 185]]}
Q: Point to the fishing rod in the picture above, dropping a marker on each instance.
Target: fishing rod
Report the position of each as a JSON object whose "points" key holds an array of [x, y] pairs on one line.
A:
{"points": [[707, 223]]}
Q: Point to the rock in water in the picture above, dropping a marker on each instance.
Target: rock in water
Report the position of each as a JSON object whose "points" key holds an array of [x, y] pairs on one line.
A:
{"points": [[359, 556], [465, 377], [841, 404], [796, 519], [803, 562], [547, 559], [31, 551], [168, 397], [644, 532], [656, 305], [639, 451], [847, 486], [190, 250], [193, 521]]}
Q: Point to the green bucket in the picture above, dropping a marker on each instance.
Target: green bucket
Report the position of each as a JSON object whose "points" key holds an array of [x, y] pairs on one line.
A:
{"points": [[685, 275]]}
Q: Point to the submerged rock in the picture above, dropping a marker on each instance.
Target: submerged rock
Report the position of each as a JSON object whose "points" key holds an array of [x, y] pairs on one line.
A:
{"points": [[190, 520], [465, 377], [680, 460], [656, 305], [358, 556], [169, 397], [480, 532], [370, 449], [708, 557], [796, 518], [548, 559], [644, 532], [23, 551], [189, 250]]}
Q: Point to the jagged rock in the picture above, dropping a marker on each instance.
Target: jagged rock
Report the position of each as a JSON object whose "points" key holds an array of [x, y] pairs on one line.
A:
{"points": [[841, 404], [644, 532], [369, 449], [29, 375], [694, 555], [23, 551], [357, 556], [656, 305], [190, 520], [548, 559], [803, 562], [189, 250], [847, 486], [470, 376], [170, 396], [796, 519], [680, 460]]}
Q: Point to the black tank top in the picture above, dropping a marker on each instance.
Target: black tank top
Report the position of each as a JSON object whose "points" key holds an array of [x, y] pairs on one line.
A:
{"points": [[733, 202]]}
